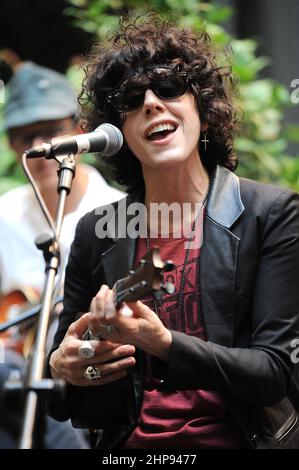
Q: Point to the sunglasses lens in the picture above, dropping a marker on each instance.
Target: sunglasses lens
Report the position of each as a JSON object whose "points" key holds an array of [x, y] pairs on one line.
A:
{"points": [[170, 88], [133, 97]]}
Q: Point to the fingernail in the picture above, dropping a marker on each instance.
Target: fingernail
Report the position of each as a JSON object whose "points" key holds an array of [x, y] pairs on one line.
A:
{"points": [[130, 361]]}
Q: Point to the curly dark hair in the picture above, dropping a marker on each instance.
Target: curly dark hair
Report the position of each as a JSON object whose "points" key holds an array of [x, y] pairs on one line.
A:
{"points": [[155, 41]]}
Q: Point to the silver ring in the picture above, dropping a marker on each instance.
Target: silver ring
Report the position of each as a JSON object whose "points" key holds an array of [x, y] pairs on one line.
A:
{"points": [[86, 350], [92, 373]]}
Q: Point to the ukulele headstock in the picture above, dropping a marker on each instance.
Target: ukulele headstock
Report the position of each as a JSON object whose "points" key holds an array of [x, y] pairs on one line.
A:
{"points": [[145, 279]]}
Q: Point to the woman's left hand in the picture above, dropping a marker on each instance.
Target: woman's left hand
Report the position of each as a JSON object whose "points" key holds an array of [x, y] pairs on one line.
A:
{"points": [[135, 324]]}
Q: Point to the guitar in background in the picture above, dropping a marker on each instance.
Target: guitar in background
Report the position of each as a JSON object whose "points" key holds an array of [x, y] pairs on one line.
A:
{"points": [[19, 338]]}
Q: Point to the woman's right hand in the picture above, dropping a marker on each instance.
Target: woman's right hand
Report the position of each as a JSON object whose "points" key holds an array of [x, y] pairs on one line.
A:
{"points": [[111, 360]]}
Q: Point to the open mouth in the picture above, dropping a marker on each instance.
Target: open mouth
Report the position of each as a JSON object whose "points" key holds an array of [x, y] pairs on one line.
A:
{"points": [[161, 131]]}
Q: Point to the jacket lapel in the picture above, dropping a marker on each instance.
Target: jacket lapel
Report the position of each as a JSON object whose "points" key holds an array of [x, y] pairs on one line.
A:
{"points": [[218, 259], [119, 258]]}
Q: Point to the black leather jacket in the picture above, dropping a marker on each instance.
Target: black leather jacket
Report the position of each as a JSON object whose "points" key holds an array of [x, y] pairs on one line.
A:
{"points": [[249, 283]]}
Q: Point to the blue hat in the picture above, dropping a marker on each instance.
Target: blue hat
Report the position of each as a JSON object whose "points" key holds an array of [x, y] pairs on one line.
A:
{"points": [[38, 94]]}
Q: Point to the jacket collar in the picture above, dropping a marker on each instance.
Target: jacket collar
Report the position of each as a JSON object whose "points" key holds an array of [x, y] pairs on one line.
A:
{"points": [[224, 203]]}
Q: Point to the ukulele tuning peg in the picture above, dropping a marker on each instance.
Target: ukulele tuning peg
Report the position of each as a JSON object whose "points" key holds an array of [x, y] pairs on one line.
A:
{"points": [[168, 287], [168, 266]]}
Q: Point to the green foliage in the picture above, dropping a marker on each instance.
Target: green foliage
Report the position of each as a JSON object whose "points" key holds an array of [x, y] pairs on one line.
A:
{"points": [[263, 141]]}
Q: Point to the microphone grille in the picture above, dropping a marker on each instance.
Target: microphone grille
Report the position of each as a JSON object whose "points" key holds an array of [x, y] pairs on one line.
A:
{"points": [[115, 139]]}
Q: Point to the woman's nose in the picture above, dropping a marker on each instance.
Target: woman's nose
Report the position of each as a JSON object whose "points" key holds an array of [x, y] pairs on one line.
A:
{"points": [[152, 102]]}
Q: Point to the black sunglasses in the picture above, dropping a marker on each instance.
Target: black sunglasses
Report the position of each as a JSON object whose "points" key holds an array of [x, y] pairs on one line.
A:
{"points": [[166, 86]]}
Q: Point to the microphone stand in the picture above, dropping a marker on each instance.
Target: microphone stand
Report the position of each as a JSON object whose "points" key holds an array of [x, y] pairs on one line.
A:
{"points": [[35, 386]]}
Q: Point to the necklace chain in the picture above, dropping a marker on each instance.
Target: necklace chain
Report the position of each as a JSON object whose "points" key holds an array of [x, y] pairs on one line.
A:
{"points": [[186, 260]]}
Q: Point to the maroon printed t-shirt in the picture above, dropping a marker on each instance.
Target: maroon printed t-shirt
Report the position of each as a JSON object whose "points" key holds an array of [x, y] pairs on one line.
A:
{"points": [[189, 418]]}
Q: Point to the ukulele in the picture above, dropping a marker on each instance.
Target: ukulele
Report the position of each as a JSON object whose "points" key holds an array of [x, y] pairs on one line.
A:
{"points": [[145, 279]]}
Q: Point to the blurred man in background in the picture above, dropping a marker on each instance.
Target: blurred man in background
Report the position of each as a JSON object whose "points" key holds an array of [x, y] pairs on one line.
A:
{"points": [[40, 105]]}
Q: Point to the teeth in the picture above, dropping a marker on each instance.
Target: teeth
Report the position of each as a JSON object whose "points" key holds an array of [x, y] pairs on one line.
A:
{"points": [[160, 128]]}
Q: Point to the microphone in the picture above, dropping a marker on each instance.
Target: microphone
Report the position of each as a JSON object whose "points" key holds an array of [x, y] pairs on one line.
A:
{"points": [[106, 139]]}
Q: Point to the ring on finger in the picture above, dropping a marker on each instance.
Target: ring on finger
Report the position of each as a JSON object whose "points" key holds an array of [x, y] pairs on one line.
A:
{"points": [[86, 350], [92, 373]]}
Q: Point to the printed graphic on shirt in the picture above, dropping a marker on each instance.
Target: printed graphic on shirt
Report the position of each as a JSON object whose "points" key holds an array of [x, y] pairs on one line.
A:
{"points": [[180, 311]]}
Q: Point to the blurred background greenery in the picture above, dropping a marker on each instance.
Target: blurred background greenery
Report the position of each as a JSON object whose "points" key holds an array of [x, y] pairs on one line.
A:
{"points": [[262, 145]]}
